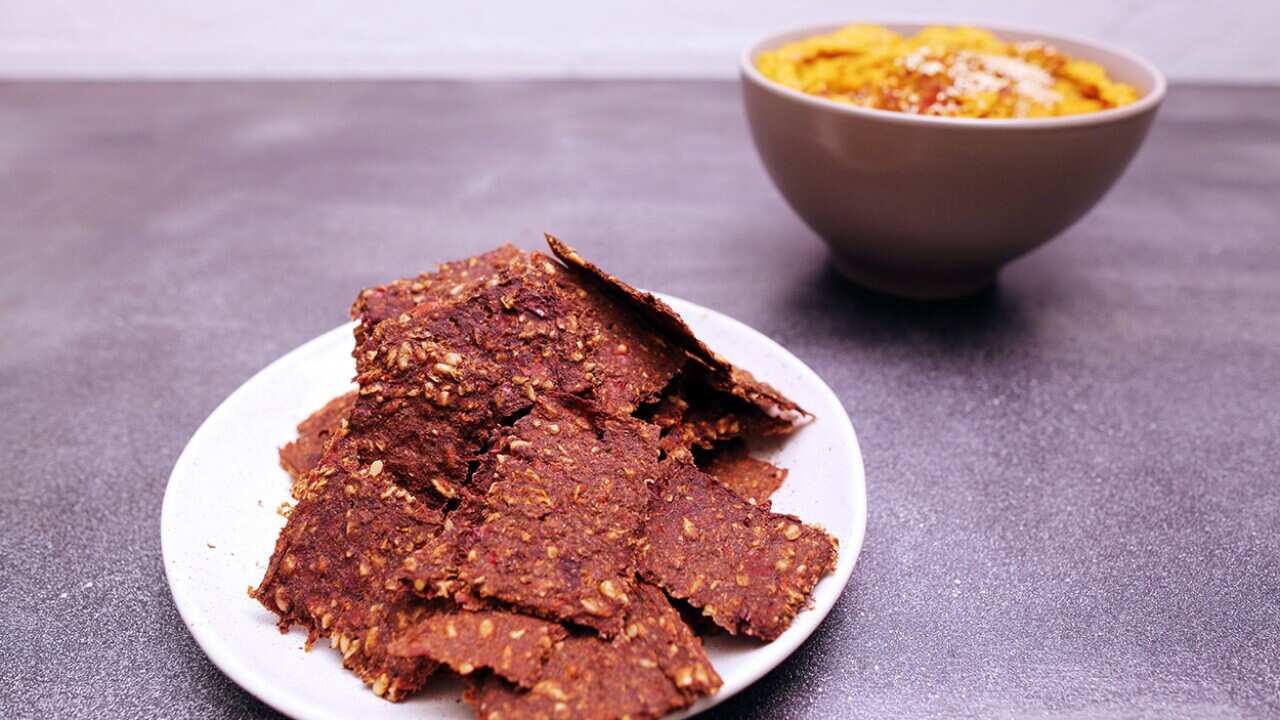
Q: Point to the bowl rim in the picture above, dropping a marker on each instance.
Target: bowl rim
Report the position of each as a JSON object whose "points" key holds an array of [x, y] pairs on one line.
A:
{"points": [[1145, 104]]}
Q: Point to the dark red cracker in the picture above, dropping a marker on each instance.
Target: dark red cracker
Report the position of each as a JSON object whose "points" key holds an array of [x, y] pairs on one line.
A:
{"points": [[299, 456], [334, 566], [656, 666], [630, 364], [744, 386], [723, 375], [555, 517], [668, 411], [437, 382], [693, 415], [376, 304], [748, 569], [708, 424], [514, 646], [751, 479]]}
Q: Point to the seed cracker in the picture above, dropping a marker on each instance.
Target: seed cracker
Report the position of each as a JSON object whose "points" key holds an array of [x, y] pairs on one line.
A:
{"points": [[512, 645], [723, 375], [299, 456], [657, 666], [556, 515], [376, 304], [437, 382], [334, 565], [751, 479], [748, 569], [695, 416]]}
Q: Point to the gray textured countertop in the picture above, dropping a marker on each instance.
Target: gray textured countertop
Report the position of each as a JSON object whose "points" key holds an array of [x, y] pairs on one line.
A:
{"points": [[1074, 478]]}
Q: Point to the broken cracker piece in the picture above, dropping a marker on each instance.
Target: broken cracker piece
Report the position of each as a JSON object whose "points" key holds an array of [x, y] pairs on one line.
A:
{"points": [[553, 519], [748, 569], [658, 665], [512, 645], [751, 479], [446, 282], [695, 416], [436, 387], [333, 568], [723, 375], [299, 456]]}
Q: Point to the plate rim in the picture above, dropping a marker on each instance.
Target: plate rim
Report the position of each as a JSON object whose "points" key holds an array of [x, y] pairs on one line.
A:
{"points": [[230, 664]]}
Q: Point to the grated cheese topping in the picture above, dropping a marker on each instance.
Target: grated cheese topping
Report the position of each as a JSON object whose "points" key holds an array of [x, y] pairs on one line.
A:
{"points": [[944, 71]]}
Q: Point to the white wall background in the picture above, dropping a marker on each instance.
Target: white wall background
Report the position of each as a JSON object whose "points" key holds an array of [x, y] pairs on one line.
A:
{"points": [[1235, 40]]}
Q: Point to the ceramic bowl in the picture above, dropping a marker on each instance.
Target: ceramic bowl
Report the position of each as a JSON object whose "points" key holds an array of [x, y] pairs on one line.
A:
{"points": [[931, 207]]}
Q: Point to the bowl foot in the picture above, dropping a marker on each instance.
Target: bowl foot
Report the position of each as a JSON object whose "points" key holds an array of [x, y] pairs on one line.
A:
{"points": [[915, 285]]}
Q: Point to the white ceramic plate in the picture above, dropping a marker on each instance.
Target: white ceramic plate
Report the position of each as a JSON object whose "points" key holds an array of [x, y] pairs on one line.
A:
{"points": [[219, 524]]}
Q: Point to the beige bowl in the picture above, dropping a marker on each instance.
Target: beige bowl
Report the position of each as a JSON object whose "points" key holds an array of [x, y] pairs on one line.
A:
{"points": [[930, 207]]}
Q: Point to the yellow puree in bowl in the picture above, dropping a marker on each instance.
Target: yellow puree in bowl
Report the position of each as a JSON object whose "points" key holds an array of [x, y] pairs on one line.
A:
{"points": [[962, 72]]}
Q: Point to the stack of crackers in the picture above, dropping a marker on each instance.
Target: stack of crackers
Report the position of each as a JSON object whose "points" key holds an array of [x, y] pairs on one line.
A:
{"points": [[541, 475]]}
